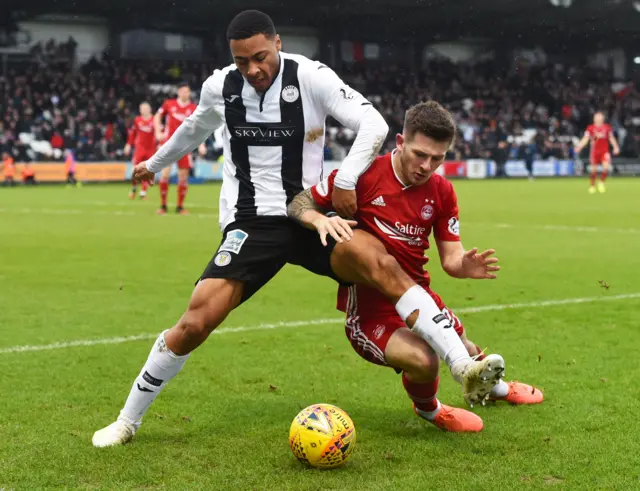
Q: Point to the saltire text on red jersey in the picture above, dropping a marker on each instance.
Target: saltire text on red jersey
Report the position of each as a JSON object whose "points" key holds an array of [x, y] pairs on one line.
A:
{"points": [[401, 217]]}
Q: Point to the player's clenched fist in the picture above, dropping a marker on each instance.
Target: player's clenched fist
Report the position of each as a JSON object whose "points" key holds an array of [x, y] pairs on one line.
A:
{"points": [[337, 227], [141, 173]]}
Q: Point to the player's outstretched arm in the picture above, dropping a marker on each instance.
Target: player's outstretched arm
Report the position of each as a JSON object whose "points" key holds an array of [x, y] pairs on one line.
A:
{"points": [[582, 143], [193, 131], [458, 263], [614, 144], [308, 213]]}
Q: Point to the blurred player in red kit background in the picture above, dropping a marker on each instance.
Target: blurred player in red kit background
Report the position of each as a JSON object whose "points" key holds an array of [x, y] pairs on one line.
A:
{"points": [[600, 135], [142, 137], [172, 113]]}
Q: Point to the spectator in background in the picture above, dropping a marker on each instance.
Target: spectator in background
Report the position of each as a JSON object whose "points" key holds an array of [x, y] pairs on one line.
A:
{"points": [[70, 168], [28, 175], [8, 169]]}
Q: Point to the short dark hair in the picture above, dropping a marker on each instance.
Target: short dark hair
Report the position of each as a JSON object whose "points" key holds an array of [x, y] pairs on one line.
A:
{"points": [[183, 84], [430, 119], [249, 23]]}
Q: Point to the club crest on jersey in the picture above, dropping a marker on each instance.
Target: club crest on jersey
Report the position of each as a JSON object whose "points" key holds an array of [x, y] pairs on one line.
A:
{"points": [[290, 93], [427, 212], [234, 241], [454, 226], [222, 259]]}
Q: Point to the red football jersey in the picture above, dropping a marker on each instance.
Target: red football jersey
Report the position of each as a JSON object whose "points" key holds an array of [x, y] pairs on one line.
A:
{"points": [[599, 136], [175, 114], [142, 134], [401, 217]]}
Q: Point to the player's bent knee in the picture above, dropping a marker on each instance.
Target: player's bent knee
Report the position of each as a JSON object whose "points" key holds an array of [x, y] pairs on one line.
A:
{"points": [[422, 365]]}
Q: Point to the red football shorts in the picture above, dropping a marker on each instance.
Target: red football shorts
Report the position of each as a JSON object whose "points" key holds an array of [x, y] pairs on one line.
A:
{"points": [[185, 162], [372, 320], [600, 158], [142, 156]]}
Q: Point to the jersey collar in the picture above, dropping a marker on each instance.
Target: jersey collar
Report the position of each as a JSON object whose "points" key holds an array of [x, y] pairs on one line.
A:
{"points": [[404, 186]]}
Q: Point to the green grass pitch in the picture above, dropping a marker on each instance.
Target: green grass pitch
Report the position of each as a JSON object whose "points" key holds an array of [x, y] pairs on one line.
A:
{"points": [[88, 264]]}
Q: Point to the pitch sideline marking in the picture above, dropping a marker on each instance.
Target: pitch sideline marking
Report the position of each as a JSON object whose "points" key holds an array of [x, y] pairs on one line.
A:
{"points": [[311, 322]]}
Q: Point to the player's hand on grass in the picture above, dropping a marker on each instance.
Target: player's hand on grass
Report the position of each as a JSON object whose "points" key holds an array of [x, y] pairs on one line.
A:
{"points": [[141, 174], [344, 201], [337, 227], [480, 266]]}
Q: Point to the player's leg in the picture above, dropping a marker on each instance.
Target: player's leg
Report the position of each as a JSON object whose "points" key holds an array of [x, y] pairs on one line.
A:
{"points": [[165, 175], [134, 188], [184, 165], [380, 336], [595, 161], [246, 260], [606, 166], [512, 392], [365, 261]]}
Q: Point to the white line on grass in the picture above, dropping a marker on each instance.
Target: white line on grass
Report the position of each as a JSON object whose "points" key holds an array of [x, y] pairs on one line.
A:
{"points": [[81, 211], [313, 322]]}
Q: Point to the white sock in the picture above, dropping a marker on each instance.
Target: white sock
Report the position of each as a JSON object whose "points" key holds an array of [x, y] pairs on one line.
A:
{"points": [[500, 390], [433, 326], [161, 366], [430, 415]]}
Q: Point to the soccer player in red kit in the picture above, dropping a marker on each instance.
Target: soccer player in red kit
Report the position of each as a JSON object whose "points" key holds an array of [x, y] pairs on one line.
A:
{"points": [[173, 112], [400, 202], [142, 137], [600, 135]]}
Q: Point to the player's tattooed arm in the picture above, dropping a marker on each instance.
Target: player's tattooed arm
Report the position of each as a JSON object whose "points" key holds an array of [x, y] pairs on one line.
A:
{"points": [[302, 204]]}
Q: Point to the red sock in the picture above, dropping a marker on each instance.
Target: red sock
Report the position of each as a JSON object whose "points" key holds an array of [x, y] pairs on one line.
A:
{"points": [[164, 191], [481, 355], [423, 394], [145, 186], [603, 177], [593, 178], [183, 186]]}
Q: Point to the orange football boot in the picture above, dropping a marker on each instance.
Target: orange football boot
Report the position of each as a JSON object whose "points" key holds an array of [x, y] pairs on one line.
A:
{"points": [[520, 393], [454, 419]]}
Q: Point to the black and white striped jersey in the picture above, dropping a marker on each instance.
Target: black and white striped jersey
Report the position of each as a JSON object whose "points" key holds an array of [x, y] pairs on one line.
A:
{"points": [[274, 142]]}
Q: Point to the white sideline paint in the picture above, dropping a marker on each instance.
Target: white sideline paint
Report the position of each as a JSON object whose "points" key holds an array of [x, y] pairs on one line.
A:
{"points": [[314, 322], [82, 211]]}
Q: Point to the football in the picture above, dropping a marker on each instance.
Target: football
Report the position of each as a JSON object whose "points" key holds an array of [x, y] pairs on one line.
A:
{"points": [[322, 436]]}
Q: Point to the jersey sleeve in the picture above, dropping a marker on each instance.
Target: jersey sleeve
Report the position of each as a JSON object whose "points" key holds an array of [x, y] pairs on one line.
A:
{"points": [[323, 192], [355, 112], [196, 128], [164, 109], [447, 225], [133, 132]]}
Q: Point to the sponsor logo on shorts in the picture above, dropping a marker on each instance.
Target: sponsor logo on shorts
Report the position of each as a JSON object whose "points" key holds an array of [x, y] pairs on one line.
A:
{"points": [[234, 241], [222, 259], [379, 331], [454, 226]]}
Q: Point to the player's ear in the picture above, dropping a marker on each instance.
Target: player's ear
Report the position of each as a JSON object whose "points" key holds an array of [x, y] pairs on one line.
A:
{"points": [[278, 42], [400, 142]]}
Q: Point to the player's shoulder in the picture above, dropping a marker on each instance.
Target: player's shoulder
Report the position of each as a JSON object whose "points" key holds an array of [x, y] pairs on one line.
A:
{"points": [[441, 184], [590, 128], [308, 69], [215, 82]]}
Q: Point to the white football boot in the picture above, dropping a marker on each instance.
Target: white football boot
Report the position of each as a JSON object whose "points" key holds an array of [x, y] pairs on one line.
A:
{"points": [[117, 433], [479, 377]]}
